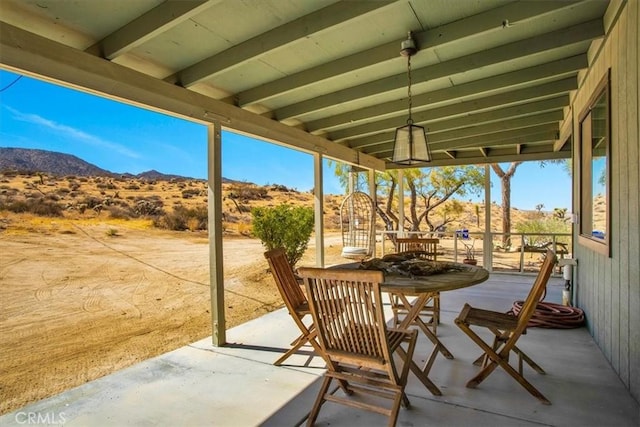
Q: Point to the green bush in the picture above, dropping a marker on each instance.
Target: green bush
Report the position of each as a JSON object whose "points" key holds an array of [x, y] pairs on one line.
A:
{"points": [[544, 225], [284, 226]]}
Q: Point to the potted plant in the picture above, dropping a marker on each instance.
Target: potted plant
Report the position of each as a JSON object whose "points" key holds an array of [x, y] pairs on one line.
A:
{"points": [[470, 257]]}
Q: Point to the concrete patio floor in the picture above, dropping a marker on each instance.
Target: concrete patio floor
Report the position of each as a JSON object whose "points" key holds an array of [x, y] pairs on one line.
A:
{"points": [[237, 385]]}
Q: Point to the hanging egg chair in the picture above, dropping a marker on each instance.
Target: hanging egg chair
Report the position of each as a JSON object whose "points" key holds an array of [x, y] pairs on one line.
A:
{"points": [[357, 217]]}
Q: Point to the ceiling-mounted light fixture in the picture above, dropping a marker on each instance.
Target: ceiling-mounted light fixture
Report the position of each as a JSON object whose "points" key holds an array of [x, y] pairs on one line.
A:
{"points": [[410, 143]]}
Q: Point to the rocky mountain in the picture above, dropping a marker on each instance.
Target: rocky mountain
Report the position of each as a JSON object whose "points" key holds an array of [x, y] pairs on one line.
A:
{"points": [[31, 160], [25, 160]]}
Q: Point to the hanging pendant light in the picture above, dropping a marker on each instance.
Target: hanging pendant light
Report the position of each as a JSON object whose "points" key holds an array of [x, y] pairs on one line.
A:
{"points": [[410, 143]]}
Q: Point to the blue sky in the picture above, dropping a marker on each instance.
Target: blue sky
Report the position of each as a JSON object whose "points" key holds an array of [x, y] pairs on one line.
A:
{"points": [[123, 138]]}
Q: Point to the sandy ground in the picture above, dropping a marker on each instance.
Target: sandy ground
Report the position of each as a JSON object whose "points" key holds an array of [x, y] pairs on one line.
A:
{"points": [[81, 304]]}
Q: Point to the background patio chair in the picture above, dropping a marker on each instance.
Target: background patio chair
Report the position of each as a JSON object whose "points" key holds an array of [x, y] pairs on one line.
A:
{"points": [[423, 248], [507, 329], [348, 312], [294, 299]]}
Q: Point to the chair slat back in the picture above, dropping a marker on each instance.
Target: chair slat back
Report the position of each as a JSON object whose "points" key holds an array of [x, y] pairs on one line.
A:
{"points": [[538, 288], [348, 313], [285, 279], [426, 246]]}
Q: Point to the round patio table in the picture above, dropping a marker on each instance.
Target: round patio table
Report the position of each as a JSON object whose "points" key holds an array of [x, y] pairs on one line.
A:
{"points": [[448, 276]]}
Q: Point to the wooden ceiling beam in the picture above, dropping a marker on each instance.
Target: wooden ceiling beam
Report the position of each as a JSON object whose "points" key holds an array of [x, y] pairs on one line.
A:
{"points": [[428, 40], [566, 69], [261, 44], [475, 157], [540, 43], [482, 131], [156, 21], [467, 109]]}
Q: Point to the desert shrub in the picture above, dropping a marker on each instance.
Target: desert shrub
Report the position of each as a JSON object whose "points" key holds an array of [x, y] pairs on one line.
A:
{"points": [[132, 187], [7, 191], [248, 192], [284, 226], [182, 218], [106, 186], [244, 228], [282, 188], [111, 232], [544, 225], [38, 207], [193, 224], [91, 202], [190, 192], [117, 212], [148, 208]]}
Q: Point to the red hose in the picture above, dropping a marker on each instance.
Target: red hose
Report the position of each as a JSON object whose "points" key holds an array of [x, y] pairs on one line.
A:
{"points": [[550, 315]]}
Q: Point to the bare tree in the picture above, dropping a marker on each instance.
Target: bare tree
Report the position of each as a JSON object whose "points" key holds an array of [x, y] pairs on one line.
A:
{"points": [[505, 181], [428, 189]]}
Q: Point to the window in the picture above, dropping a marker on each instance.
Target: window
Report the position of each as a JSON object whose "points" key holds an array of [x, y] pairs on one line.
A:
{"points": [[594, 156]]}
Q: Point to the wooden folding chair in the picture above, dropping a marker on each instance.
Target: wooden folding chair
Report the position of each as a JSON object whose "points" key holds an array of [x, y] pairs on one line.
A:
{"points": [[294, 299], [348, 313], [423, 248], [507, 329]]}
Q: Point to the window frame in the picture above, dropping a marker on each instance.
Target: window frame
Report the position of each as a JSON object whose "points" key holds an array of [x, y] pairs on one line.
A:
{"points": [[584, 159]]}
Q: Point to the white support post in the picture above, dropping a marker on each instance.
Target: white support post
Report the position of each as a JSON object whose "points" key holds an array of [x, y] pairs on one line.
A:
{"points": [[318, 193], [487, 244], [372, 194], [216, 273]]}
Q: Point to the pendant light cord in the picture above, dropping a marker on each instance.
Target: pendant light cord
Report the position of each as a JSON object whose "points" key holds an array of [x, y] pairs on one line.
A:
{"points": [[409, 120]]}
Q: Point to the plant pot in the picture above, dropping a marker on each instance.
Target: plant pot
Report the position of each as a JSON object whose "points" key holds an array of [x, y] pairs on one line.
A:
{"points": [[470, 261]]}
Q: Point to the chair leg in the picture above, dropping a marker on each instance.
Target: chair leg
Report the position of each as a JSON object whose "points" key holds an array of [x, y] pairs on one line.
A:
{"points": [[313, 415], [424, 379], [529, 361], [522, 380], [393, 415], [302, 340], [502, 361], [404, 374], [394, 309]]}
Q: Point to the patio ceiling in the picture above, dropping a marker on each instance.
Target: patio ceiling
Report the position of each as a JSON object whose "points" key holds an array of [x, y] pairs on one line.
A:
{"points": [[491, 79]]}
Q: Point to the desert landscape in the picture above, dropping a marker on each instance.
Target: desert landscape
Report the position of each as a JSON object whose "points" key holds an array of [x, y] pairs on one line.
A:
{"points": [[88, 292], [100, 284]]}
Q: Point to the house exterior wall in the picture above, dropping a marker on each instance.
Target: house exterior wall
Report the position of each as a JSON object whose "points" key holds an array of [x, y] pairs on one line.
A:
{"points": [[608, 288]]}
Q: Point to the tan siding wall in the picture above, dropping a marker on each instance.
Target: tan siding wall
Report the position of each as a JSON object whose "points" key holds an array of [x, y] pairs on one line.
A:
{"points": [[608, 289]]}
